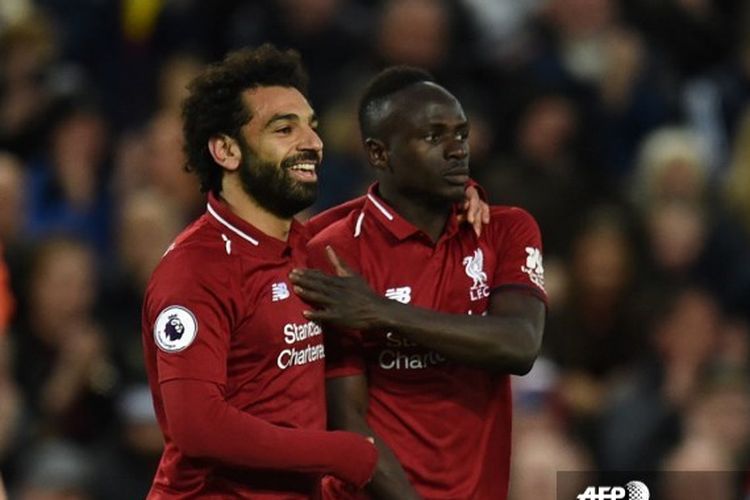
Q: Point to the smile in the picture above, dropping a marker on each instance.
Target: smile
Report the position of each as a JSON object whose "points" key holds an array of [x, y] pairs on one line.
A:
{"points": [[304, 172]]}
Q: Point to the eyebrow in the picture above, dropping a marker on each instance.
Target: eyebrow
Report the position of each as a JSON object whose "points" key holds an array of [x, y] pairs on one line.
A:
{"points": [[293, 117], [445, 125]]}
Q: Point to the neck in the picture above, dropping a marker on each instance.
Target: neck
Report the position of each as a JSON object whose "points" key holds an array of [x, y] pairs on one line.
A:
{"points": [[431, 218], [245, 207]]}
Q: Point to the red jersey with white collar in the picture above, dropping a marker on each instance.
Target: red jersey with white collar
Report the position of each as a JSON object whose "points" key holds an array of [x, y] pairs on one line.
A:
{"points": [[448, 424], [219, 308]]}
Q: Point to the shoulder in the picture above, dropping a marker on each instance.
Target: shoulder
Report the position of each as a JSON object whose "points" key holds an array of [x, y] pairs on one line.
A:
{"points": [[504, 215], [324, 219], [340, 236], [341, 231], [512, 226], [508, 219], [197, 256]]}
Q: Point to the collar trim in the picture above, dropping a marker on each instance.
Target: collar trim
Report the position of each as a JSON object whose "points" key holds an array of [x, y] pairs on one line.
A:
{"points": [[229, 226], [380, 207]]}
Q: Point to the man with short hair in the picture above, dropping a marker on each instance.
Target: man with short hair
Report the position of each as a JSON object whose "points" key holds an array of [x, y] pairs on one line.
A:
{"points": [[423, 333], [236, 371]]}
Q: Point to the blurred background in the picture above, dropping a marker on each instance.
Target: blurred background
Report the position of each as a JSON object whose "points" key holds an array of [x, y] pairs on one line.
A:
{"points": [[623, 126]]}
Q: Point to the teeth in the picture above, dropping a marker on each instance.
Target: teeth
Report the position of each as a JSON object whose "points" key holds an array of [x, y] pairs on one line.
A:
{"points": [[307, 167]]}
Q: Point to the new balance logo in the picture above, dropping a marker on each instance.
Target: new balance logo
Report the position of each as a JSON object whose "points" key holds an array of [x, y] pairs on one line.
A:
{"points": [[279, 291], [399, 294]]}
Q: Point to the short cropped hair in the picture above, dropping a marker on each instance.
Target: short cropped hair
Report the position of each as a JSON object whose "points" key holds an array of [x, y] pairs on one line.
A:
{"points": [[214, 104], [383, 85]]}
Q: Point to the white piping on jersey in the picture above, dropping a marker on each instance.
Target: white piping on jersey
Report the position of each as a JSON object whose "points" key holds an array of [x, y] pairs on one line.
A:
{"points": [[227, 243], [358, 226], [169, 249], [231, 227], [380, 207]]}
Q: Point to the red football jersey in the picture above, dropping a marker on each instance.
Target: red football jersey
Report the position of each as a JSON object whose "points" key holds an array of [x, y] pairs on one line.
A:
{"points": [[220, 308], [448, 424]]}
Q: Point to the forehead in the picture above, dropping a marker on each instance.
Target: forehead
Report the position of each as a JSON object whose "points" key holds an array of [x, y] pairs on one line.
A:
{"points": [[265, 102], [426, 103]]}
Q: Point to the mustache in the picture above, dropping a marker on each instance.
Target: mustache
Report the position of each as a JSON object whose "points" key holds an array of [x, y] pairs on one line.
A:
{"points": [[304, 157]]}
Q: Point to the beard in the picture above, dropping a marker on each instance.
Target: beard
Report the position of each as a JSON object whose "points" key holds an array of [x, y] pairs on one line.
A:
{"points": [[272, 186]]}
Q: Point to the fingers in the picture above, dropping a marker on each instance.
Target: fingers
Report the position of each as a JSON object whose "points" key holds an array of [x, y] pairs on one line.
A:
{"points": [[474, 215], [312, 278], [319, 316], [472, 210], [477, 226], [313, 297], [485, 213], [341, 268]]}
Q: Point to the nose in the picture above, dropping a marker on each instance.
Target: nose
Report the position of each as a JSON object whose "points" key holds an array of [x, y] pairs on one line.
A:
{"points": [[457, 149], [311, 140]]}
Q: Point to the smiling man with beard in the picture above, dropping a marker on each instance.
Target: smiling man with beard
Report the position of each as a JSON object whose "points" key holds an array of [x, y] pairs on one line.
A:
{"points": [[235, 369]]}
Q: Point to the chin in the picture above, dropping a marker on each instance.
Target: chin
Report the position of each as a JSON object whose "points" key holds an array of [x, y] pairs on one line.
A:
{"points": [[456, 194]]}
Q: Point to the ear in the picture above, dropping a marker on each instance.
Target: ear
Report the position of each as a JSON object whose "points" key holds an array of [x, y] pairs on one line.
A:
{"points": [[225, 151], [377, 153]]}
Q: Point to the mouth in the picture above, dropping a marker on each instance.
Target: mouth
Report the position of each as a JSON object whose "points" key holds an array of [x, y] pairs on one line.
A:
{"points": [[457, 176], [305, 171]]}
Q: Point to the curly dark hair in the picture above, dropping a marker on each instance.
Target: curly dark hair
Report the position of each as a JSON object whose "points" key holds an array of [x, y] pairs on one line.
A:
{"points": [[383, 85], [214, 105]]}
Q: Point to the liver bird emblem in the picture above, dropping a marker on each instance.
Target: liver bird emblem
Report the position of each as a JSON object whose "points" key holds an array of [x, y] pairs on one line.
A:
{"points": [[475, 268]]}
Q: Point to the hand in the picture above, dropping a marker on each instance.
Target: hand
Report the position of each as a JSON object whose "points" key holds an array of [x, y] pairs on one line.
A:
{"points": [[344, 300], [475, 211]]}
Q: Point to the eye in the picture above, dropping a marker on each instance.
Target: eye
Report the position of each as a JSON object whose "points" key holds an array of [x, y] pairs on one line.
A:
{"points": [[284, 130], [432, 137], [463, 135]]}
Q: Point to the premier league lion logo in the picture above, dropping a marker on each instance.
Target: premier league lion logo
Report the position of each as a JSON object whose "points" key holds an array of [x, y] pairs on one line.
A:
{"points": [[174, 328]]}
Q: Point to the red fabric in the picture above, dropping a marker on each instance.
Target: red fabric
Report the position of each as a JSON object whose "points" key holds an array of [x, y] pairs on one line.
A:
{"points": [[324, 219], [7, 304], [202, 424], [243, 333], [448, 424]]}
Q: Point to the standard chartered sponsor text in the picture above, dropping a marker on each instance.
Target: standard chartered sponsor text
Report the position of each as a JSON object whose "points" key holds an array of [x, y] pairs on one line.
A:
{"points": [[294, 356], [396, 359]]}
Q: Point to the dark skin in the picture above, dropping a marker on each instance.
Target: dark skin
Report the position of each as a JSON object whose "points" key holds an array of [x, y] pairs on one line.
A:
{"points": [[421, 155]]}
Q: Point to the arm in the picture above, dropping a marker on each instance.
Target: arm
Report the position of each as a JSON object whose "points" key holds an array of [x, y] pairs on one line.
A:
{"points": [[507, 339], [203, 424], [347, 409]]}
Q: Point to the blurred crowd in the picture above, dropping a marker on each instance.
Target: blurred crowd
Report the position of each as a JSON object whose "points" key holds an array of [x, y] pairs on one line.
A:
{"points": [[623, 126]]}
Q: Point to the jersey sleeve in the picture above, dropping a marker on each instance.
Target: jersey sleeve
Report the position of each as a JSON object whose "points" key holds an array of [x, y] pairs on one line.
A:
{"points": [[517, 242], [188, 315], [344, 351], [203, 425]]}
